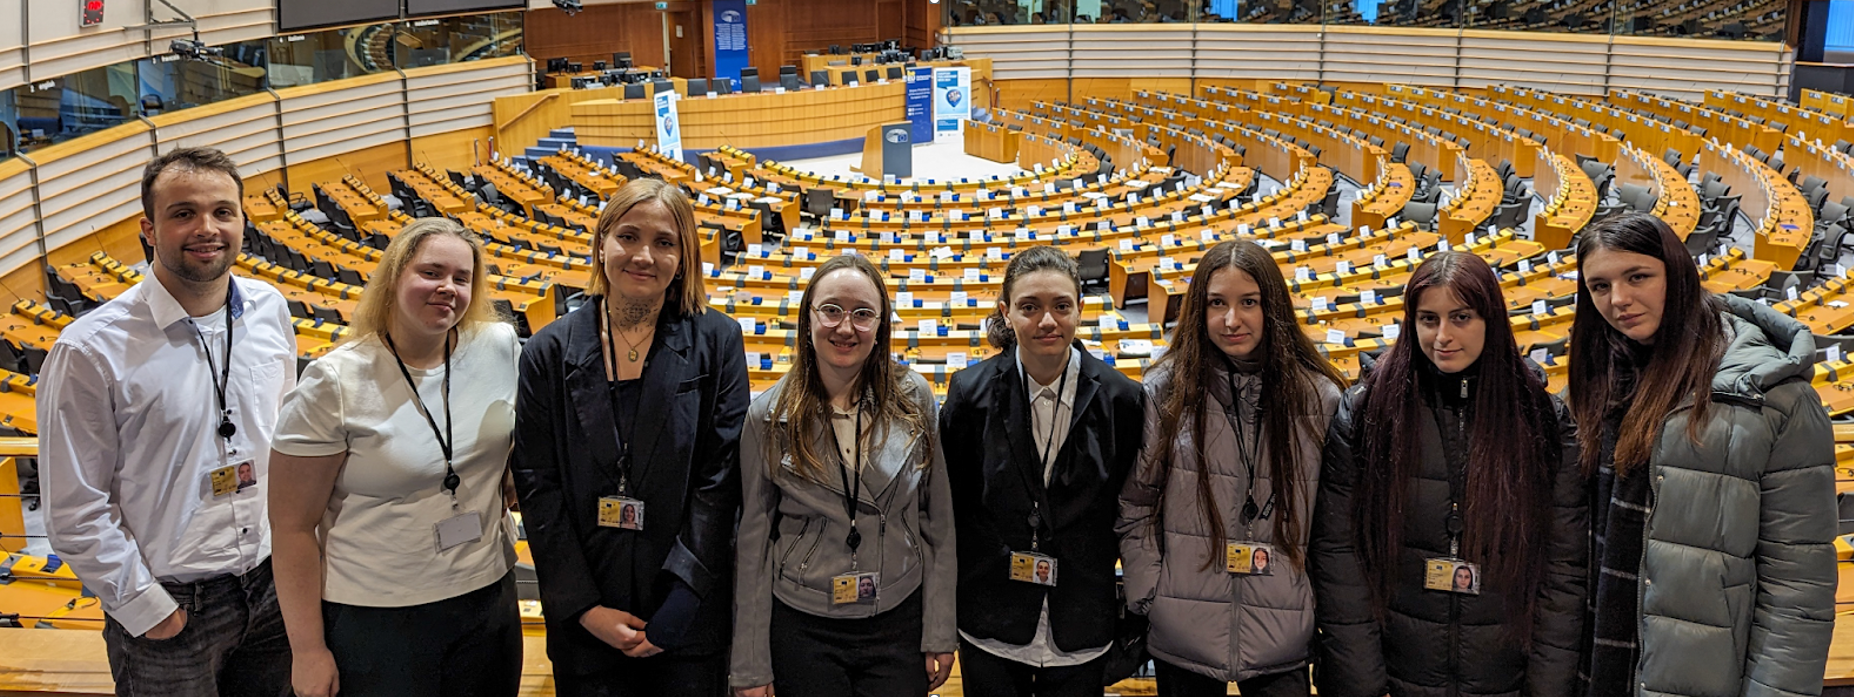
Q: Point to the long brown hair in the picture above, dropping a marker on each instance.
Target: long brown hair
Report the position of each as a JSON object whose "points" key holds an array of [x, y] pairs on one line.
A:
{"points": [[1290, 368], [1512, 448], [1687, 347], [803, 407]]}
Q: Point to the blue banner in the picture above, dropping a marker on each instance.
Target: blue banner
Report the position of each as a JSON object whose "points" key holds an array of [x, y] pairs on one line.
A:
{"points": [[920, 103], [730, 38]]}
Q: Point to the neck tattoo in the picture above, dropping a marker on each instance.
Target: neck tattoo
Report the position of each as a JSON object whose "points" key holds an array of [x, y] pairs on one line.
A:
{"points": [[631, 313]]}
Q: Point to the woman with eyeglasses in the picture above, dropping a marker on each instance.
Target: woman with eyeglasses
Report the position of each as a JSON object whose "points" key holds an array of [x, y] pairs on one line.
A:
{"points": [[1713, 500], [1236, 413], [846, 566], [627, 437], [1039, 440], [1449, 542]]}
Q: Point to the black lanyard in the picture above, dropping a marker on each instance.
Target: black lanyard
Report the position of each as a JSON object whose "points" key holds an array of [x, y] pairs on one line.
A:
{"points": [[445, 438], [1042, 460], [224, 379], [625, 436], [1457, 476], [1249, 452], [855, 538]]}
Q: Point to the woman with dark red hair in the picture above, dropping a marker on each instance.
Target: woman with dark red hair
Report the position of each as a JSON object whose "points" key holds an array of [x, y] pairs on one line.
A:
{"points": [[1450, 461]]}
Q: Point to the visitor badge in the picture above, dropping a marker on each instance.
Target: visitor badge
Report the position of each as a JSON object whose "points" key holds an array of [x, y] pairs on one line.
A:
{"points": [[1032, 567], [621, 512], [1249, 558], [854, 588], [1451, 575], [460, 529]]}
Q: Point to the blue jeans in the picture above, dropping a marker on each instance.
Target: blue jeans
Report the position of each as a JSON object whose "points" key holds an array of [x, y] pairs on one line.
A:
{"points": [[232, 646]]}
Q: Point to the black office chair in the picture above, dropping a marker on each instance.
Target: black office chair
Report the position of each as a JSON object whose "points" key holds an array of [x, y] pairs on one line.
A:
{"points": [[871, 75], [722, 86], [789, 81], [894, 72], [1093, 263], [661, 86], [622, 59], [744, 72], [749, 84], [697, 87], [820, 77], [634, 90]]}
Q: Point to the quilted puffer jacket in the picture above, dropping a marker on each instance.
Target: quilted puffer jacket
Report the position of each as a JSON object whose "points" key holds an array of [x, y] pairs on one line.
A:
{"points": [[1206, 620], [1738, 571], [1430, 643]]}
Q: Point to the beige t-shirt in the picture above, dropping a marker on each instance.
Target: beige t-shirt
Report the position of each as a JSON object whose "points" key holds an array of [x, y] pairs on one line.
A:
{"points": [[379, 533]]}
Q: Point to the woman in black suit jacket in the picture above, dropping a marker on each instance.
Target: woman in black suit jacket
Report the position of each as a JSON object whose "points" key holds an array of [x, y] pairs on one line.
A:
{"points": [[626, 454], [1039, 439]]}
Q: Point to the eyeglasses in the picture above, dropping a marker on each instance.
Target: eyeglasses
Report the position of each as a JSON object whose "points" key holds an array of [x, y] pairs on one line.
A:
{"points": [[864, 319]]}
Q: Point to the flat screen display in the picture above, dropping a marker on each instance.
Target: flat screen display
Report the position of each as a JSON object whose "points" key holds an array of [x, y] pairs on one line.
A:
{"points": [[293, 15], [416, 8]]}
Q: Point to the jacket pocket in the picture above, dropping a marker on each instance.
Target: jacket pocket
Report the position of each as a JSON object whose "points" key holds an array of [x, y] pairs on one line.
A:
{"points": [[691, 384], [1738, 606], [797, 541]]}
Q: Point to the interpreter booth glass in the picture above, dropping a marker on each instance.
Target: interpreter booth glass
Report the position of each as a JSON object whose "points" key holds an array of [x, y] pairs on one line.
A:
{"points": [[59, 109], [166, 84], [1698, 19], [9, 119], [334, 54], [427, 42]]}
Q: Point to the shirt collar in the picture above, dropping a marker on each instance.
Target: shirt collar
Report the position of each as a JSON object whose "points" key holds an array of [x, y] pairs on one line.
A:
{"points": [[1038, 389], [168, 310]]}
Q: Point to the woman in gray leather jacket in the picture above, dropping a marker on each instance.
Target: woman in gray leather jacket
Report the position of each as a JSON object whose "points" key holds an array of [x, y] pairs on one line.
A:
{"points": [[1713, 507], [1215, 519], [846, 533]]}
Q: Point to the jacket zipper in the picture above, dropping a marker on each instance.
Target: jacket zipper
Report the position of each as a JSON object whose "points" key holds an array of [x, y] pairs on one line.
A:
{"points": [[806, 562], [795, 543], [1454, 601]]}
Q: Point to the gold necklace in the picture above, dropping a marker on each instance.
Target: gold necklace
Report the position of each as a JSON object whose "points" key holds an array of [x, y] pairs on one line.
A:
{"points": [[632, 354]]}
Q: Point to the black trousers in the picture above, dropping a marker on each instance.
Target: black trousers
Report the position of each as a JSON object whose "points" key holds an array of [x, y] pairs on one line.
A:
{"points": [[467, 646], [1178, 682], [984, 674], [662, 674], [233, 644], [877, 656]]}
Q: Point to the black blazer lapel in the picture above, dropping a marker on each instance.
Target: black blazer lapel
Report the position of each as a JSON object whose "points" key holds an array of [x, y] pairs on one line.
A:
{"points": [[1017, 430], [591, 392], [665, 370]]}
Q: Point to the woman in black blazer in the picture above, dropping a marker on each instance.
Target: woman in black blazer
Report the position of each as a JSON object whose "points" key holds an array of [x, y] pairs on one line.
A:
{"points": [[626, 454], [1039, 439]]}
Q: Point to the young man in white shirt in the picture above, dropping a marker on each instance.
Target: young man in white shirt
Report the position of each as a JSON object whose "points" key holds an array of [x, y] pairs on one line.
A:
{"points": [[152, 409]]}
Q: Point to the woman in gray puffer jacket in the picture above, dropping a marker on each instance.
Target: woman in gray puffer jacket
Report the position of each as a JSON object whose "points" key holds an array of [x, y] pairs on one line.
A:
{"points": [[1713, 509], [1449, 543], [1215, 519]]}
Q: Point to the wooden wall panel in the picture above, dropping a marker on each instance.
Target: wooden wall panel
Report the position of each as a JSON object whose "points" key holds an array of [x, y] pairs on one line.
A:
{"points": [[779, 32], [596, 33], [454, 150], [1020, 94]]}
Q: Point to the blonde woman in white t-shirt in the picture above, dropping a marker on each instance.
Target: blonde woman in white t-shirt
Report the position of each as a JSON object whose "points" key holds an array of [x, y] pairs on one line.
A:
{"points": [[393, 550]]}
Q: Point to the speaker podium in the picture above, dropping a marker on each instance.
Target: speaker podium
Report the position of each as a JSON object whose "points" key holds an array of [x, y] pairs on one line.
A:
{"points": [[888, 150]]}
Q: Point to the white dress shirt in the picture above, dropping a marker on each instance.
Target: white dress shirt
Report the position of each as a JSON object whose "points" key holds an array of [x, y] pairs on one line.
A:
{"points": [[1050, 417], [128, 438]]}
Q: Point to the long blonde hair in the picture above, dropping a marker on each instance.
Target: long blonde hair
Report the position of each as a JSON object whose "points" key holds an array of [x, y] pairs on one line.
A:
{"points": [[802, 409], [686, 293], [373, 316]]}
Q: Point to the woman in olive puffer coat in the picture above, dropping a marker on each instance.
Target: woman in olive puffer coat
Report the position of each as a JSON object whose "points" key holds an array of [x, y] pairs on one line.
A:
{"points": [[1713, 498], [1450, 454]]}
